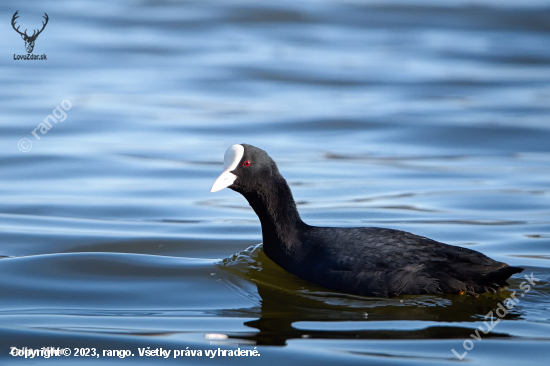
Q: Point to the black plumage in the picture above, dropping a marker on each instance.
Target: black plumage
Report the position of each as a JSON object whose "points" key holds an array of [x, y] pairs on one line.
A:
{"points": [[364, 261]]}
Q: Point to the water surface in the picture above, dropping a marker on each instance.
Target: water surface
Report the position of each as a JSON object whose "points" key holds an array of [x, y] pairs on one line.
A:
{"points": [[425, 116]]}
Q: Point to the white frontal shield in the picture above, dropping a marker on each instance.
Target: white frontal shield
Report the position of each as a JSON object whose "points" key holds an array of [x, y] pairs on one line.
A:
{"points": [[231, 159]]}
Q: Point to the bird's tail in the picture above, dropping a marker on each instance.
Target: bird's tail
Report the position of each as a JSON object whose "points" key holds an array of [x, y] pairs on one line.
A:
{"points": [[477, 283], [500, 276]]}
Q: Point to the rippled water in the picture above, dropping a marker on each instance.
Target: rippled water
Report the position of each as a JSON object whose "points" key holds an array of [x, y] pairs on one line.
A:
{"points": [[430, 117]]}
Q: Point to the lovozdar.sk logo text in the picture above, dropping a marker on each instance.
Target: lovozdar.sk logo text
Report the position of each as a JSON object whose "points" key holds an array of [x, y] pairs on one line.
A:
{"points": [[29, 40]]}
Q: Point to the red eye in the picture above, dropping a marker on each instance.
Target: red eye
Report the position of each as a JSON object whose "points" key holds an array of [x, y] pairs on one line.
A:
{"points": [[247, 163]]}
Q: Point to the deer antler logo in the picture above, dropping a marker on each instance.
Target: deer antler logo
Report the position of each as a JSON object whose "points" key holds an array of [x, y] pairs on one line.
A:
{"points": [[29, 40]]}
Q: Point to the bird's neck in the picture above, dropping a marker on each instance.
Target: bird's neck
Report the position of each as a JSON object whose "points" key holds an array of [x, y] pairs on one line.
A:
{"points": [[281, 222]]}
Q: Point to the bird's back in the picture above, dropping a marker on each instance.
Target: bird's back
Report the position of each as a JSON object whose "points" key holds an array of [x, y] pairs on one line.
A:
{"points": [[386, 262]]}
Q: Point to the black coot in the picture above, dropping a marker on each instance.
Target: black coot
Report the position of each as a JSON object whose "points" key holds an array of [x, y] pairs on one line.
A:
{"points": [[364, 261]]}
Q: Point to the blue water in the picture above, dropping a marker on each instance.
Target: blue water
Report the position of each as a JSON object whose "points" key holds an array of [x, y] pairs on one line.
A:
{"points": [[430, 117]]}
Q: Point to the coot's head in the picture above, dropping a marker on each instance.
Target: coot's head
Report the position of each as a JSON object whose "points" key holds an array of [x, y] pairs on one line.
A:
{"points": [[246, 169]]}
